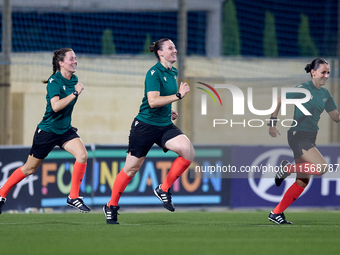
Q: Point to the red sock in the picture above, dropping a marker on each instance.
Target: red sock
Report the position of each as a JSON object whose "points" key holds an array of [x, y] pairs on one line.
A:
{"points": [[14, 179], [121, 181], [177, 168], [77, 176], [306, 167], [289, 197]]}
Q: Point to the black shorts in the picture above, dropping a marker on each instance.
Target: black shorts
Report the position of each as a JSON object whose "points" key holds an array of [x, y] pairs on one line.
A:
{"points": [[300, 140], [44, 142], [143, 136]]}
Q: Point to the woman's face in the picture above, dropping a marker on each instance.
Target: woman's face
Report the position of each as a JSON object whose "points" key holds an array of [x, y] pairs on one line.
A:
{"points": [[168, 52], [321, 74], [70, 62]]}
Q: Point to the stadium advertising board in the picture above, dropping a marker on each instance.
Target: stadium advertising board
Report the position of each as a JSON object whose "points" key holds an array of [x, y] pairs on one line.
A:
{"points": [[256, 188], [50, 185], [219, 176]]}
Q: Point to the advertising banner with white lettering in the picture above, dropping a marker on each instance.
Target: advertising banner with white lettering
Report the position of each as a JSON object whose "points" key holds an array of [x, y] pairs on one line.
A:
{"points": [[254, 183], [191, 188], [50, 184]]}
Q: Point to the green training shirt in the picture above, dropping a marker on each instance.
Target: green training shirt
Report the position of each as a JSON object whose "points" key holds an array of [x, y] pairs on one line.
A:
{"points": [[58, 122], [320, 100], [158, 78]]}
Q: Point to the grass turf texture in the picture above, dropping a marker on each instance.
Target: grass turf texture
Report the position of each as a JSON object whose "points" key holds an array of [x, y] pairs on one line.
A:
{"points": [[313, 232]]}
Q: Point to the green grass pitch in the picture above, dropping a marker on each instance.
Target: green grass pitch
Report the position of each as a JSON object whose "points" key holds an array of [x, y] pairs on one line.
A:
{"points": [[230, 232]]}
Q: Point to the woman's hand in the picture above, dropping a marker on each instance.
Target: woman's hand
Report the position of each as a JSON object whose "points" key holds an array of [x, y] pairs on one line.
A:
{"points": [[79, 87], [58, 104], [183, 89], [273, 131], [174, 115]]}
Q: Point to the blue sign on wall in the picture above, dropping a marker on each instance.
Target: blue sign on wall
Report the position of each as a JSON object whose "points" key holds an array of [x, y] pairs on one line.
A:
{"points": [[257, 189]]}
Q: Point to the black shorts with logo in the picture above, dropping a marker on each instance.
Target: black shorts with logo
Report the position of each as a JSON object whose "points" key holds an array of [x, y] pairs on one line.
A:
{"points": [[44, 142], [143, 136], [300, 140]]}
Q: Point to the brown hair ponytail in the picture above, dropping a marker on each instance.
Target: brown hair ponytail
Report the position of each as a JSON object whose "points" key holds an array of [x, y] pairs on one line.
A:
{"points": [[58, 55]]}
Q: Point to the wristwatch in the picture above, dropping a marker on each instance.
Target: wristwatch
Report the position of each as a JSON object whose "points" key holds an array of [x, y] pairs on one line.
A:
{"points": [[75, 93], [179, 95]]}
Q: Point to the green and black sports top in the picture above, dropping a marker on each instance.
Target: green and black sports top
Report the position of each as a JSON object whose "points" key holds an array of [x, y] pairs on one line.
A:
{"points": [[58, 122]]}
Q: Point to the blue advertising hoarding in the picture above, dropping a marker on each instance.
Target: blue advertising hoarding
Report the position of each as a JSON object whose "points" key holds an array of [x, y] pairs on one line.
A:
{"points": [[257, 188]]}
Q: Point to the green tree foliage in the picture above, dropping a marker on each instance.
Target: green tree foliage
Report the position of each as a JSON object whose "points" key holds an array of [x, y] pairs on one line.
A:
{"points": [[147, 44], [231, 42], [108, 46], [269, 36], [307, 46]]}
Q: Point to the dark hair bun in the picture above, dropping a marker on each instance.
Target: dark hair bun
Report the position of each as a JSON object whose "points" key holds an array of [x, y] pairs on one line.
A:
{"points": [[315, 64], [152, 47], [308, 68], [158, 46]]}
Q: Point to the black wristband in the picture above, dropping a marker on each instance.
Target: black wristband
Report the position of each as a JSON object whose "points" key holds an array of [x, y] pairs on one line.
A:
{"points": [[76, 93], [179, 95], [272, 122]]}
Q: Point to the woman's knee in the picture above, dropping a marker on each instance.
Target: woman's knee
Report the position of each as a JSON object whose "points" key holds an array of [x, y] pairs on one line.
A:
{"points": [[82, 157], [302, 182], [192, 154], [187, 151], [186, 154], [28, 170], [132, 165], [131, 170]]}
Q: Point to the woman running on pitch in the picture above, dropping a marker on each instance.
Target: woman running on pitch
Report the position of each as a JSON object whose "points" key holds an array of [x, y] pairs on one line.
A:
{"points": [[153, 125], [55, 128], [301, 138]]}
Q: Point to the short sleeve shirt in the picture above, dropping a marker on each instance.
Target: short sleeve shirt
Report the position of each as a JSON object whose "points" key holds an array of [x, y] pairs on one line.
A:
{"points": [[58, 122], [158, 78], [320, 100]]}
